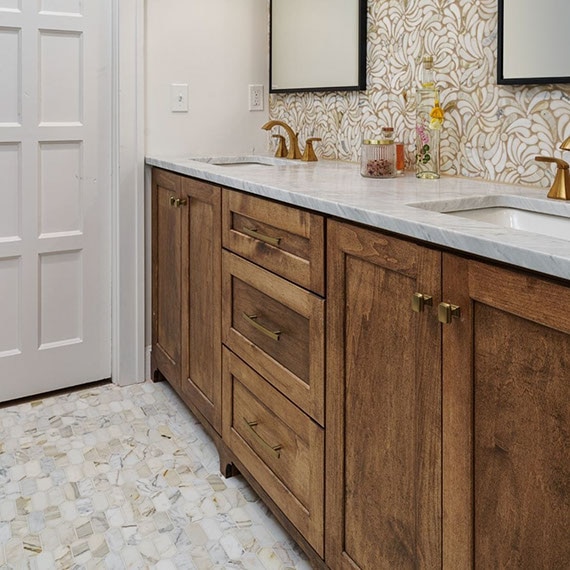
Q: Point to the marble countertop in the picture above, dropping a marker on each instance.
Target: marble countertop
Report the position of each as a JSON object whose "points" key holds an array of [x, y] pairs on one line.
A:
{"points": [[336, 188]]}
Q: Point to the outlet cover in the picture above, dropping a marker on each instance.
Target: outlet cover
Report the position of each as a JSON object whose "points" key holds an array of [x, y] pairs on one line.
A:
{"points": [[256, 97]]}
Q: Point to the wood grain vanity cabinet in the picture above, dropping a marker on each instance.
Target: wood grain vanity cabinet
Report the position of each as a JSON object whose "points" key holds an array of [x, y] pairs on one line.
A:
{"points": [[447, 445], [186, 290], [506, 381], [418, 417], [166, 276], [273, 328], [384, 441]]}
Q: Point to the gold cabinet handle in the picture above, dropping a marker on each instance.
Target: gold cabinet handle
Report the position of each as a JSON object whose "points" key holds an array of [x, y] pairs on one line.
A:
{"points": [[254, 233], [177, 202], [446, 312], [252, 320], [419, 301], [274, 449]]}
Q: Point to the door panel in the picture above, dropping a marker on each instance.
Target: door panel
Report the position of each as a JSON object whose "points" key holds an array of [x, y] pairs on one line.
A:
{"points": [[507, 421], [54, 204], [383, 403]]}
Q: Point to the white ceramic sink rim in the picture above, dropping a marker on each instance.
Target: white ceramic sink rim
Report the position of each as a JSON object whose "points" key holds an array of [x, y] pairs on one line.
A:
{"points": [[248, 160], [544, 217]]}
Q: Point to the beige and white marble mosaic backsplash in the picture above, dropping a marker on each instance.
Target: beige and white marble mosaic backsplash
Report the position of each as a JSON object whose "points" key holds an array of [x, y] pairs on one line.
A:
{"points": [[491, 131]]}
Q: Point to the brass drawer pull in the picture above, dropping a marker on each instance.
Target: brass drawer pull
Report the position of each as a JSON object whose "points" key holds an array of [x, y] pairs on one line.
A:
{"points": [[254, 233], [177, 202], [419, 301], [275, 449], [252, 320], [447, 312]]}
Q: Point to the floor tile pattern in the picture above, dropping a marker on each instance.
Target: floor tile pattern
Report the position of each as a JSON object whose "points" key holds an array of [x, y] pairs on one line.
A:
{"points": [[116, 478]]}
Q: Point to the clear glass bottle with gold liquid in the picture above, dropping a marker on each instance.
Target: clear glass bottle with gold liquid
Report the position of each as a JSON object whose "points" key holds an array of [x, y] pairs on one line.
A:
{"points": [[429, 120]]}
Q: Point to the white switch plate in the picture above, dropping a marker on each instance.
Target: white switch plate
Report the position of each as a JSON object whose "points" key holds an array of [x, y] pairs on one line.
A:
{"points": [[179, 97], [256, 97]]}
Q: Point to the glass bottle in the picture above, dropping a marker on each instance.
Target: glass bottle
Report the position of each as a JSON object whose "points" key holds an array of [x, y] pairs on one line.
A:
{"points": [[429, 119], [388, 134], [427, 79]]}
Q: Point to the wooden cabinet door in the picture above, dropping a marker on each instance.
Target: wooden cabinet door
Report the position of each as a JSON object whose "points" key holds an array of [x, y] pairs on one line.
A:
{"points": [[383, 437], [507, 419], [166, 276], [201, 299]]}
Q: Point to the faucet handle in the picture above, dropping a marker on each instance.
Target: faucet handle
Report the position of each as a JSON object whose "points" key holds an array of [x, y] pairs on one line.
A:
{"points": [[309, 154], [561, 186], [282, 150]]}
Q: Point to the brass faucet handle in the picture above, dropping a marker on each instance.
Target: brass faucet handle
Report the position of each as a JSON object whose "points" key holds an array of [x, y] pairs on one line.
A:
{"points": [[309, 154], [565, 145], [282, 150], [561, 186]]}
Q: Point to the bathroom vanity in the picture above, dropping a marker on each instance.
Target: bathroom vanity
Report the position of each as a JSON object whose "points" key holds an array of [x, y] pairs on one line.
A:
{"points": [[392, 379]]}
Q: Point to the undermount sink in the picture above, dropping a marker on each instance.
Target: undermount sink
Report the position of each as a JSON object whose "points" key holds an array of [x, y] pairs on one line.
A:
{"points": [[247, 160], [514, 212]]}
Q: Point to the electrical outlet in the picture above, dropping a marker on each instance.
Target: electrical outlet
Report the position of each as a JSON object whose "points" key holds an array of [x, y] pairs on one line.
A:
{"points": [[256, 97], [179, 97]]}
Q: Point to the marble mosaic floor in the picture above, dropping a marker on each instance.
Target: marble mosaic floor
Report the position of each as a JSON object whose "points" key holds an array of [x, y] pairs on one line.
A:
{"points": [[114, 478]]}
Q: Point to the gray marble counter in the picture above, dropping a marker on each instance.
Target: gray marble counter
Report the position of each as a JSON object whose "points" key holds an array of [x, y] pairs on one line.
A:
{"points": [[337, 189]]}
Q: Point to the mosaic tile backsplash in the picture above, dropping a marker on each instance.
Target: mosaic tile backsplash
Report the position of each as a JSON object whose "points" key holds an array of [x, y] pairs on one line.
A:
{"points": [[490, 131]]}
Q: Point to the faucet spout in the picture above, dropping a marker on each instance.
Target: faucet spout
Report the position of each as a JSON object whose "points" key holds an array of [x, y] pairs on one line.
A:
{"points": [[294, 151]]}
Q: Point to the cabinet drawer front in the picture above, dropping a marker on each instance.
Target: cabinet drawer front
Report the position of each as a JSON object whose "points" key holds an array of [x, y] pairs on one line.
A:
{"points": [[283, 239], [278, 328], [278, 444]]}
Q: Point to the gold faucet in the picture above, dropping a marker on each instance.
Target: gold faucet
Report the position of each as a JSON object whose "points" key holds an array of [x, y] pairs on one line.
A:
{"points": [[561, 186], [294, 151]]}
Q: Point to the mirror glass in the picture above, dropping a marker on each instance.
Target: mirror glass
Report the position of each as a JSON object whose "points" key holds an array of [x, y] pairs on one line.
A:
{"points": [[317, 45], [533, 41]]}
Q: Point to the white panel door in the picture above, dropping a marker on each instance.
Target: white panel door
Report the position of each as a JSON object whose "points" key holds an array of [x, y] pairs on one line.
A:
{"points": [[55, 188]]}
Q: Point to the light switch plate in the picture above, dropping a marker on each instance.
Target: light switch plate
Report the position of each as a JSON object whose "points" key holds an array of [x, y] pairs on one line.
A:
{"points": [[179, 97]]}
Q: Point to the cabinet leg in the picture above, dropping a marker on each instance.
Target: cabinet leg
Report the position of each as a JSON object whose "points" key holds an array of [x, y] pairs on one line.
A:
{"points": [[157, 376]]}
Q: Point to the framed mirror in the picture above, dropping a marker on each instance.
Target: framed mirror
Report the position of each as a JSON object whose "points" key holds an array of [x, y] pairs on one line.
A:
{"points": [[533, 42], [317, 45]]}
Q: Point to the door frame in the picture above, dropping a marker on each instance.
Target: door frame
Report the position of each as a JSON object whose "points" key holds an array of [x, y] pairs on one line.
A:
{"points": [[127, 193]]}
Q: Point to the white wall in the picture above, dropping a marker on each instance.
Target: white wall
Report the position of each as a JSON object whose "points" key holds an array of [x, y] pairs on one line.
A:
{"points": [[218, 47]]}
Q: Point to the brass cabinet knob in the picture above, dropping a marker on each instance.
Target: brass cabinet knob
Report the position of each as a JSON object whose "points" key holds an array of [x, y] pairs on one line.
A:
{"points": [[177, 202], [419, 301], [446, 312]]}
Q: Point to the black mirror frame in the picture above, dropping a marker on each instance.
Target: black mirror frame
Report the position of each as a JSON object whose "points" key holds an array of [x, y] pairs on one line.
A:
{"points": [[362, 39], [501, 79]]}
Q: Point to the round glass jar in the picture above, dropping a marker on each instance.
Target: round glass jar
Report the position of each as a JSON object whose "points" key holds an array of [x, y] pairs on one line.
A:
{"points": [[378, 158]]}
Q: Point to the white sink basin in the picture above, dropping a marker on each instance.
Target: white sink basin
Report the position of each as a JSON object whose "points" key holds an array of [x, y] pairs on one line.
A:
{"points": [[247, 160], [549, 218]]}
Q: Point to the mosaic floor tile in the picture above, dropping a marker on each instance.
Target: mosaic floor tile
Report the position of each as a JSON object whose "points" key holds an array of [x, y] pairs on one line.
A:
{"points": [[117, 478]]}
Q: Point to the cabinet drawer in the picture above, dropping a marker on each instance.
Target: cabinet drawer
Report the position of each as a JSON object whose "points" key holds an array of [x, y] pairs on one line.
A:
{"points": [[278, 328], [278, 444], [283, 239]]}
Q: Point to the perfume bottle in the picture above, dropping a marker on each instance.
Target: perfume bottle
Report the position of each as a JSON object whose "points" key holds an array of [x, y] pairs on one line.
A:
{"points": [[429, 121], [388, 134]]}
